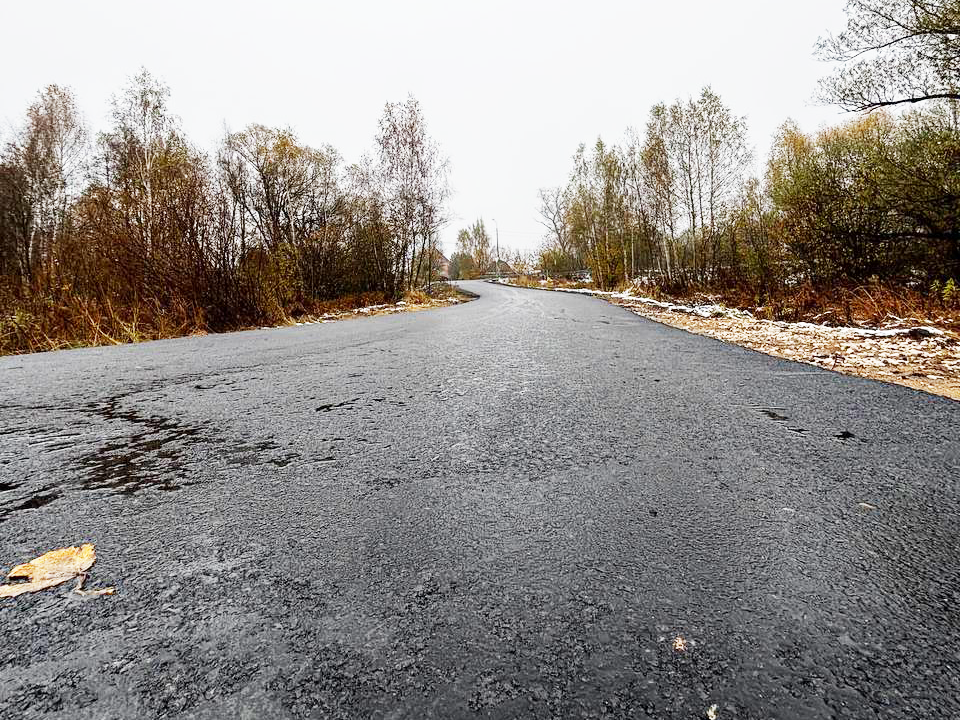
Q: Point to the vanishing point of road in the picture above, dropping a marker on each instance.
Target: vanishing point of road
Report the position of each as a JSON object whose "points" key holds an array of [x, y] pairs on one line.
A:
{"points": [[532, 505]]}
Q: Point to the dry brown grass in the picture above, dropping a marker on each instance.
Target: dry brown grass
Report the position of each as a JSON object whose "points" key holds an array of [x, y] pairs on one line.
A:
{"points": [[868, 305], [49, 324], [438, 295], [550, 283], [341, 304], [56, 324], [526, 281], [416, 297], [441, 290]]}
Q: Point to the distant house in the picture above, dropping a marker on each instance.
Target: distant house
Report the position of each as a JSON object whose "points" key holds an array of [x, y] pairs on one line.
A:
{"points": [[441, 264], [438, 268], [504, 268]]}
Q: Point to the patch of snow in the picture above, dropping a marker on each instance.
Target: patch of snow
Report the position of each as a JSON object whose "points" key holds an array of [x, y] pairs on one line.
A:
{"points": [[371, 308], [720, 311], [706, 311]]}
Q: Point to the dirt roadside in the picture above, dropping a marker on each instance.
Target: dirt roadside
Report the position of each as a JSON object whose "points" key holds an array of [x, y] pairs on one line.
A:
{"points": [[426, 303]]}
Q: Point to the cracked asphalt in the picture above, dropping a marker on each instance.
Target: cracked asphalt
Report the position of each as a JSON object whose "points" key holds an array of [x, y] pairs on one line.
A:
{"points": [[508, 508]]}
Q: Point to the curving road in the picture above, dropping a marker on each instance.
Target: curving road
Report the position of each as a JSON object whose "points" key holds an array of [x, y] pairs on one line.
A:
{"points": [[509, 508]]}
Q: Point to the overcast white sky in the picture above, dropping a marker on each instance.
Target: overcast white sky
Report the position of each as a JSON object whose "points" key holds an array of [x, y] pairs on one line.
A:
{"points": [[509, 89]]}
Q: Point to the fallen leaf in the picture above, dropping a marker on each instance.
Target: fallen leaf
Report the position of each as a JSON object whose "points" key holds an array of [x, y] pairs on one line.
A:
{"points": [[21, 588], [69, 561], [51, 569]]}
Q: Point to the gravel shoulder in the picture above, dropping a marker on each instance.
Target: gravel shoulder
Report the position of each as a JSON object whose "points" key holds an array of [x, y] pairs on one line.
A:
{"points": [[403, 306]]}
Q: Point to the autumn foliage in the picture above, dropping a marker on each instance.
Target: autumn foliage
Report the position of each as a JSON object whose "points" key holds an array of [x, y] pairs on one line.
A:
{"points": [[137, 234], [871, 204]]}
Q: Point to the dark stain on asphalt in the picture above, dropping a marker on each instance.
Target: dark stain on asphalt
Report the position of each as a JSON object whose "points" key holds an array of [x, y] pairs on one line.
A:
{"points": [[37, 501], [774, 415], [265, 452], [335, 406], [146, 459], [381, 483], [42, 498], [284, 461]]}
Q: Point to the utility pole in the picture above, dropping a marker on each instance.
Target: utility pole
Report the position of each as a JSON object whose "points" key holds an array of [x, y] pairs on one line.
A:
{"points": [[497, 228], [430, 264]]}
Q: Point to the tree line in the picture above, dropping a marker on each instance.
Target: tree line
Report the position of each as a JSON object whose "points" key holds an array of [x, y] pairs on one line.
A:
{"points": [[135, 232], [876, 199]]}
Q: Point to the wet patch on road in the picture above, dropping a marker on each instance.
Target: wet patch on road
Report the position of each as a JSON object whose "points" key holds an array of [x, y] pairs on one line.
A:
{"points": [[260, 453], [132, 451], [329, 407], [133, 463], [35, 501], [773, 414], [380, 483]]}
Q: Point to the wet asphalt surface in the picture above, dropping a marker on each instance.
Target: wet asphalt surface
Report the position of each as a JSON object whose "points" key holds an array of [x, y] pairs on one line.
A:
{"points": [[509, 508]]}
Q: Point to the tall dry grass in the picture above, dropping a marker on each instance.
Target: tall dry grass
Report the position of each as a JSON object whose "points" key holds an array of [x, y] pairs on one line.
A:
{"points": [[874, 304], [39, 324]]}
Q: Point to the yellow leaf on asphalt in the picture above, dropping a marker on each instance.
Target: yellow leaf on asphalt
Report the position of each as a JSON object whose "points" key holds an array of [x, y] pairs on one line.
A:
{"points": [[21, 588], [50, 569], [65, 562]]}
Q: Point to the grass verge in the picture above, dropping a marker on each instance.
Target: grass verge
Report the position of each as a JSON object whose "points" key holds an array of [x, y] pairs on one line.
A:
{"points": [[63, 323]]}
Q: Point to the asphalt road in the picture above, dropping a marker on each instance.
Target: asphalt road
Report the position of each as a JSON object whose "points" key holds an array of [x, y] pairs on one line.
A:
{"points": [[509, 508]]}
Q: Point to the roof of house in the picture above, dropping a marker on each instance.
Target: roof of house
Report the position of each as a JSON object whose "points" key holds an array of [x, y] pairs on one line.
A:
{"points": [[503, 265]]}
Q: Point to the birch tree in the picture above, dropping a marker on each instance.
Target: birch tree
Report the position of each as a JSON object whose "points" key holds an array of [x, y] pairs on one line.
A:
{"points": [[413, 177], [46, 160], [144, 133]]}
